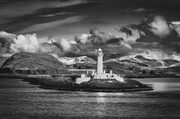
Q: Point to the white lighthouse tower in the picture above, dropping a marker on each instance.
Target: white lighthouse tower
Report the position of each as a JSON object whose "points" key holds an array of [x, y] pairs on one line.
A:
{"points": [[99, 62]]}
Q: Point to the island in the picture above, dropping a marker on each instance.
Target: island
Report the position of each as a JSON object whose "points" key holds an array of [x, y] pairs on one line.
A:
{"points": [[94, 80], [100, 80]]}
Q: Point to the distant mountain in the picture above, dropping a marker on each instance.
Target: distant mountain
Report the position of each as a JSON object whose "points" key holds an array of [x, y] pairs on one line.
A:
{"points": [[171, 62], [128, 66], [145, 62], [74, 60], [138, 61], [137, 65]]}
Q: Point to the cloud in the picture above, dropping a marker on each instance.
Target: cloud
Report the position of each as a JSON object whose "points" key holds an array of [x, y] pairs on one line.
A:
{"points": [[124, 44], [20, 8], [158, 54], [99, 37], [65, 44], [57, 14], [176, 56], [159, 26], [129, 34], [4, 34], [48, 25], [176, 26], [143, 10], [85, 44], [151, 29], [96, 37], [25, 43], [60, 47], [84, 38], [112, 45], [152, 36], [12, 43], [5, 41]]}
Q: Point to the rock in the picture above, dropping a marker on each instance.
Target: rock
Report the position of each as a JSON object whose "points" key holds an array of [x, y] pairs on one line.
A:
{"points": [[109, 85], [49, 82]]}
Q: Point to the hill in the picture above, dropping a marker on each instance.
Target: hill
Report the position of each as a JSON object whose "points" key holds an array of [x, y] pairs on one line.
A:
{"points": [[129, 66], [139, 66], [32, 63], [74, 60], [2, 60]]}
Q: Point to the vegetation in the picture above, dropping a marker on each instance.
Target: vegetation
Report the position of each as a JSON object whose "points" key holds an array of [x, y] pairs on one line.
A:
{"points": [[48, 81], [32, 63], [113, 85]]}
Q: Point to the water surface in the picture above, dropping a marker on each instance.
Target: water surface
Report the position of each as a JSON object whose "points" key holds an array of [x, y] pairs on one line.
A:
{"points": [[20, 99]]}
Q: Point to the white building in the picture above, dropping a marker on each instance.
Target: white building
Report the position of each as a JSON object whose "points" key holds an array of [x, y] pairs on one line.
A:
{"points": [[100, 73]]}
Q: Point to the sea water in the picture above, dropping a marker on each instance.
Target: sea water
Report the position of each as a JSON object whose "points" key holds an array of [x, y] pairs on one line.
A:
{"points": [[20, 99]]}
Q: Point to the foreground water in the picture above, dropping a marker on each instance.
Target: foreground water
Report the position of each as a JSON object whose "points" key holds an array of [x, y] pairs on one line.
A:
{"points": [[19, 99]]}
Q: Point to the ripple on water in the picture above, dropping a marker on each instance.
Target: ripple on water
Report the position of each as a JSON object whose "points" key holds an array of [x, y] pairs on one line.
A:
{"points": [[20, 99]]}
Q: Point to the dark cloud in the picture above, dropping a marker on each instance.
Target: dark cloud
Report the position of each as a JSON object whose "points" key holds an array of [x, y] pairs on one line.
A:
{"points": [[99, 37], [96, 37], [67, 18], [107, 41], [152, 29], [5, 41], [29, 12], [159, 26], [49, 25]]}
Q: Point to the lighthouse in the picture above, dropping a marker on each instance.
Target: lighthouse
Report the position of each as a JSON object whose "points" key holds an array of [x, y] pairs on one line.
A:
{"points": [[101, 81], [99, 61], [100, 74]]}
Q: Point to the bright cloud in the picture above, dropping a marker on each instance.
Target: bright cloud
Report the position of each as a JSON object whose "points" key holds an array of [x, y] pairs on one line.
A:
{"points": [[25, 43]]}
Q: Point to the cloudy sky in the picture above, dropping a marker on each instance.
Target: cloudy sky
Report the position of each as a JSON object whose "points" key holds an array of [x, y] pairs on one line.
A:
{"points": [[128, 26], [66, 18]]}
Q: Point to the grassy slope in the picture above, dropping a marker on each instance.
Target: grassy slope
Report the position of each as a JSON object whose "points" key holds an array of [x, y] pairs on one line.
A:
{"points": [[2, 60], [33, 63]]}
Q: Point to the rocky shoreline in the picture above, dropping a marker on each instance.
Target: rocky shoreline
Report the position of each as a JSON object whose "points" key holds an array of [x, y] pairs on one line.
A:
{"points": [[68, 83]]}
